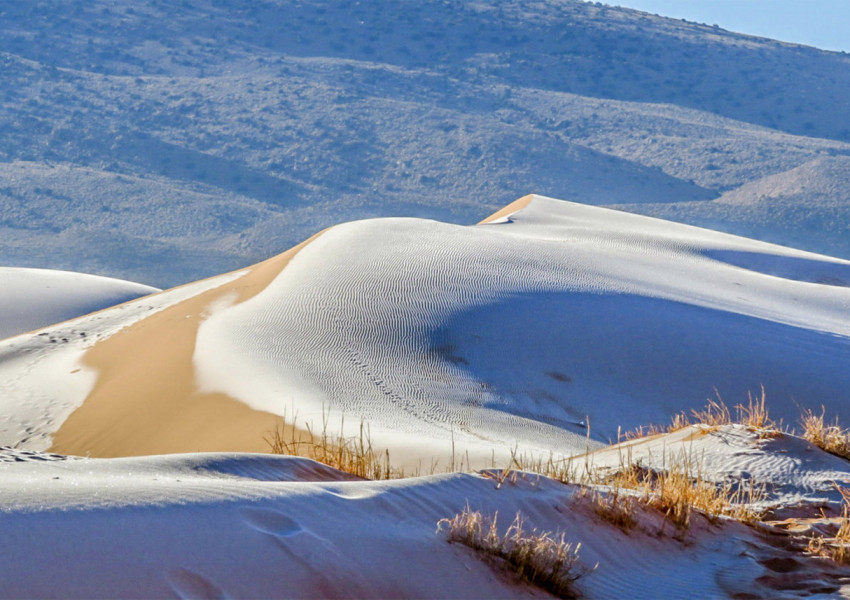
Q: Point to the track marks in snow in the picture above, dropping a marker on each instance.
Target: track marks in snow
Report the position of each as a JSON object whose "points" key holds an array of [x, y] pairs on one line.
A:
{"points": [[271, 522], [189, 585]]}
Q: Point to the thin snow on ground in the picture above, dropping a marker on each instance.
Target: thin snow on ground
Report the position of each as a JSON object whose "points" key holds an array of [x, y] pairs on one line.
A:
{"points": [[453, 343], [249, 526], [798, 478], [442, 338], [34, 298]]}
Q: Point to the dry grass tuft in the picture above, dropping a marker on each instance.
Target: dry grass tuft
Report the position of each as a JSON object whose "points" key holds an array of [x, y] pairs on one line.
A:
{"points": [[755, 416], [679, 421], [353, 454], [836, 548], [832, 438], [676, 490], [563, 470], [615, 507], [680, 488], [716, 414], [544, 559]]}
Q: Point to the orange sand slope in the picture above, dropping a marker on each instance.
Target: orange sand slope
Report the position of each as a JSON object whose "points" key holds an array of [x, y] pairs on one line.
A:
{"points": [[145, 400]]}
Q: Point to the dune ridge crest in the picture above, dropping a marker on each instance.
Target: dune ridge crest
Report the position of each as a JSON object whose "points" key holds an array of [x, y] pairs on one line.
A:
{"points": [[160, 410]]}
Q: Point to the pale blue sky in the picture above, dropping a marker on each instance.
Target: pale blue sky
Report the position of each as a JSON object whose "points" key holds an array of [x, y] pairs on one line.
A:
{"points": [[821, 23]]}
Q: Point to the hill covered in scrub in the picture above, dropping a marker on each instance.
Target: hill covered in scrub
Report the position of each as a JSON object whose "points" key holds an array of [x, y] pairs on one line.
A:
{"points": [[163, 142]]}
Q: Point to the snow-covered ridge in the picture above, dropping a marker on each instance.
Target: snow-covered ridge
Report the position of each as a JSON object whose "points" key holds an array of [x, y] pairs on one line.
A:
{"points": [[554, 313], [33, 298]]}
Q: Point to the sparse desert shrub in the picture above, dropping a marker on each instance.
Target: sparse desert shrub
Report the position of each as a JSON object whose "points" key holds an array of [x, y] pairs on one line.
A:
{"points": [[677, 490], [755, 416], [352, 454], [679, 421], [544, 559], [716, 414], [565, 470], [832, 438], [615, 507], [836, 548]]}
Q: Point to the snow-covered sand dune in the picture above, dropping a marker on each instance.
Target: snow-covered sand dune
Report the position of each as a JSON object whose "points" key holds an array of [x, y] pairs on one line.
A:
{"points": [[34, 298], [442, 338], [249, 526], [511, 332]]}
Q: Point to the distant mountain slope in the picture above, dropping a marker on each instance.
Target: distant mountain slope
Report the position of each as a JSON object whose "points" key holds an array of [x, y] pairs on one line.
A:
{"points": [[34, 298], [194, 137], [578, 47], [807, 206], [511, 332]]}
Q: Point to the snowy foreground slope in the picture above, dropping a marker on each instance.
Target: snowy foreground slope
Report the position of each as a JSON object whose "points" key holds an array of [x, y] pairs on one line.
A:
{"points": [[33, 298], [261, 526], [445, 340]]}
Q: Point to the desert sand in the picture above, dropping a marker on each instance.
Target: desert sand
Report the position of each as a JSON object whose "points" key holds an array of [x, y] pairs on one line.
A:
{"points": [[149, 403]]}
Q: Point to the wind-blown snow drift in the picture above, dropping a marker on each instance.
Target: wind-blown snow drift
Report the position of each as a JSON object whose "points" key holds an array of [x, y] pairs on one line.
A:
{"points": [[511, 332]]}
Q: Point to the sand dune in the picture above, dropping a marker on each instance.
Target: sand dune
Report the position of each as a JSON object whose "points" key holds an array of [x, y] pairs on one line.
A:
{"points": [[545, 320], [160, 408], [34, 298], [441, 337]]}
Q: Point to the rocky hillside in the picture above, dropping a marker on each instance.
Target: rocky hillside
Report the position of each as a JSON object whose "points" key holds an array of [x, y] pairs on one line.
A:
{"points": [[166, 141]]}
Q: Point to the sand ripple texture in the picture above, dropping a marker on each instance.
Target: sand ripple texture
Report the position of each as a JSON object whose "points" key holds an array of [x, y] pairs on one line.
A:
{"points": [[513, 331]]}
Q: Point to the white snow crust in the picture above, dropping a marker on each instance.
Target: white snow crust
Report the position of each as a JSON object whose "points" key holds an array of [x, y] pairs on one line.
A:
{"points": [[34, 298]]}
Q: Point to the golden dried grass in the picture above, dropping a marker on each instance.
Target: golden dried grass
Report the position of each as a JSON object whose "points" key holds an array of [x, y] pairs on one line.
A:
{"points": [[676, 489], [754, 416], [352, 454], [836, 548], [615, 507], [541, 558], [680, 488], [830, 437]]}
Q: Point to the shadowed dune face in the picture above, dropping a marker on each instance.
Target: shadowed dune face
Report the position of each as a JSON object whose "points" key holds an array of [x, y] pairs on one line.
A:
{"points": [[812, 269], [146, 400]]}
